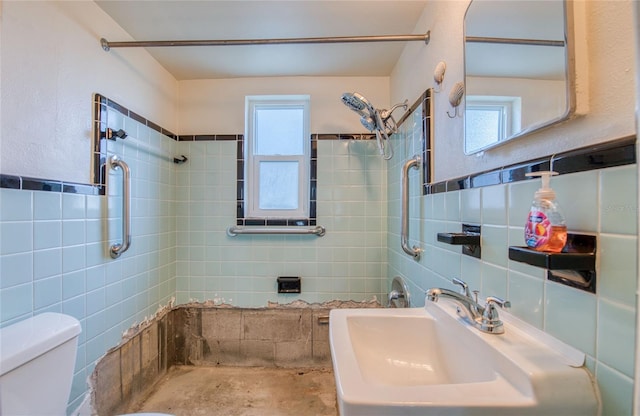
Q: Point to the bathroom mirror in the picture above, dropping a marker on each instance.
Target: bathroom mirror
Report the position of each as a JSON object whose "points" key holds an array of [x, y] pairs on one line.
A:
{"points": [[517, 77]]}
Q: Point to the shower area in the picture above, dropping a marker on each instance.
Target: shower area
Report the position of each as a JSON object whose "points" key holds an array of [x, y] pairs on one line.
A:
{"points": [[183, 192]]}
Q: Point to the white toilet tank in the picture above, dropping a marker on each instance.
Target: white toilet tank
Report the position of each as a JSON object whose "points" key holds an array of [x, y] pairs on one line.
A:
{"points": [[37, 358]]}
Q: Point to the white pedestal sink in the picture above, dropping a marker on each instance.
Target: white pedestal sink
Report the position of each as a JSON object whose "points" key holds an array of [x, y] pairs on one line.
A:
{"points": [[427, 361]]}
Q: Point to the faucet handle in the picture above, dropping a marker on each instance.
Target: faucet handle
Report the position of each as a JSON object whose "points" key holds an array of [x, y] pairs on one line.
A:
{"points": [[490, 312], [490, 321], [465, 288]]}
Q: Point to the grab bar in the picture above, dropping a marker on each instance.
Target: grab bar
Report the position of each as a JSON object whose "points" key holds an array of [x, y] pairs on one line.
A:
{"points": [[414, 251], [234, 231], [116, 250]]}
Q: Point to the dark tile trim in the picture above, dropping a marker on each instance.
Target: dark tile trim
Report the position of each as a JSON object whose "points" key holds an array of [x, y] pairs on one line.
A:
{"points": [[618, 152], [208, 137], [101, 99], [10, 182], [37, 184]]}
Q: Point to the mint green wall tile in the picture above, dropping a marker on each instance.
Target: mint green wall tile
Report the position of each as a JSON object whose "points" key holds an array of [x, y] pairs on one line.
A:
{"points": [[47, 206], [494, 282], [470, 206], [616, 391], [471, 272], [16, 269], [495, 249], [47, 263], [619, 200], [452, 205], [16, 237], [616, 336], [526, 294], [16, 301], [73, 232], [617, 279], [95, 301], [438, 206], [15, 205], [73, 284], [494, 205], [516, 238], [46, 292], [520, 197], [73, 206], [73, 258], [571, 316], [445, 262], [577, 195], [95, 277]]}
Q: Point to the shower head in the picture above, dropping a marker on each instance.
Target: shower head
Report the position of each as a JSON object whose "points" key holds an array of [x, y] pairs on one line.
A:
{"points": [[378, 121], [356, 102]]}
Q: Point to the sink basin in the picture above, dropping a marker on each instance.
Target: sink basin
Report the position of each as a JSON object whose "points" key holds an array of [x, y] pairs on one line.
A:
{"points": [[420, 361]]}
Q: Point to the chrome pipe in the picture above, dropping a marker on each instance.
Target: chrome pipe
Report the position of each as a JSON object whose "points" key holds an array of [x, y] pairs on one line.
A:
{"points": [[106, 45], [117, 249], [234, 230], [414, 251]]}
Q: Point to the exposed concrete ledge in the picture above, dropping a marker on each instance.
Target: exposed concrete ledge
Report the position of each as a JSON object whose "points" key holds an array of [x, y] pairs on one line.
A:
{"points": [[209, 334]]}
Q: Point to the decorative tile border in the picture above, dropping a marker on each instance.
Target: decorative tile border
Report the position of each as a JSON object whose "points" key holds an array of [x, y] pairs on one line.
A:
{"points": [[605, 155], [35, 184]]}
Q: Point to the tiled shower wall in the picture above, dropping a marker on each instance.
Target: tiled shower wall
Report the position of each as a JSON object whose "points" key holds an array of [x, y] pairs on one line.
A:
{"points": [[347, 263], [54, 249], [601, 202]]}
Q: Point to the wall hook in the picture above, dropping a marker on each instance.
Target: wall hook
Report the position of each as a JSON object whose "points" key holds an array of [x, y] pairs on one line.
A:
{"points": [[438, 75], [113, 135], [181, 160], [455, 97]]}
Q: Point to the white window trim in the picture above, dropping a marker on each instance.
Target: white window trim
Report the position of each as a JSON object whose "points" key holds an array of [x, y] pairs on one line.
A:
{"points": [[252, 161]]}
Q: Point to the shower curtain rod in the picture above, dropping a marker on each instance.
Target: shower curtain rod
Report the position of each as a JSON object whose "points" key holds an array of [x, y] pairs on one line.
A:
{"points": [[515, 41], [106, 45]]}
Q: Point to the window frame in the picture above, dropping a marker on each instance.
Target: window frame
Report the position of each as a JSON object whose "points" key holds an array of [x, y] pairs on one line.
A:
{"points": [[508, 108], [252, 160]]}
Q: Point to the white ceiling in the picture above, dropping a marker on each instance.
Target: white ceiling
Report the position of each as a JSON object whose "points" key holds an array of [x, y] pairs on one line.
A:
{"points": [[267, 19]]}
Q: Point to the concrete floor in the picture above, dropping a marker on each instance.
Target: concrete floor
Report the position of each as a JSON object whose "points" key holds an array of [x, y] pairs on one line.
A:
{"points": [[243, 391]]}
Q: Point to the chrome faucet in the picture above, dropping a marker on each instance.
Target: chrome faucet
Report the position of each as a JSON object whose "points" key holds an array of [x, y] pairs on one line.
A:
{"points": [[486, 318]]}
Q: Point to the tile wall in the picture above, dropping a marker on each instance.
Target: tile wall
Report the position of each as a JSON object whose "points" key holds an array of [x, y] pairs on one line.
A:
{"points": [[601, 202], [54, 248], [347, 263]]}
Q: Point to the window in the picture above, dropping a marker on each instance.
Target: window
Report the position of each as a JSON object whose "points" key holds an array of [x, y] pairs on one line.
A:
{"points": [[489, 120], [277, 154]]}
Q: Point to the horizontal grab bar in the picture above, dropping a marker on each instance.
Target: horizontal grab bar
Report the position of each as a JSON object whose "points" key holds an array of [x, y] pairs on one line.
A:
{"points": [[234, 230]]}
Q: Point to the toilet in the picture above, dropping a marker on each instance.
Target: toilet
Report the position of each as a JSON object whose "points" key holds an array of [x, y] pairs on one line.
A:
{"points": [[37, 358], [36, 364]]}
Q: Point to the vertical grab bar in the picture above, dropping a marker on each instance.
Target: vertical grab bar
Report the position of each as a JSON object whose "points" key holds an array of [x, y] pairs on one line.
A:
{"points": [[414, 251], [117, 249]]}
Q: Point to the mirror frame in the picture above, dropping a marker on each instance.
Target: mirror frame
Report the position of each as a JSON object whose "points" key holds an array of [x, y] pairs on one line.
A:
{"points": [[570, 91]]}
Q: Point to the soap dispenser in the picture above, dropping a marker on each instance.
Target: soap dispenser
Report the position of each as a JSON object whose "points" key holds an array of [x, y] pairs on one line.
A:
{"points": [[546, 229]]}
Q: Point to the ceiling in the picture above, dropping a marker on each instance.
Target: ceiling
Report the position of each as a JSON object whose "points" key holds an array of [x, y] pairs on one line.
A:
{"points": [[267, 19]]}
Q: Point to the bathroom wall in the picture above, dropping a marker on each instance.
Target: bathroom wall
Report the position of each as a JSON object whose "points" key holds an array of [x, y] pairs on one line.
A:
{"points": [[601, 325], [54, 228], [52, 64], [217, 105], [605, 75], [54, 249], [347, 263]]}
